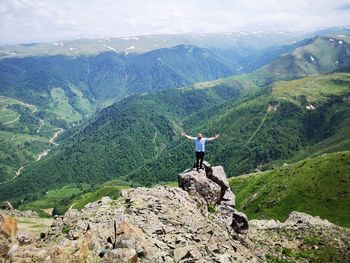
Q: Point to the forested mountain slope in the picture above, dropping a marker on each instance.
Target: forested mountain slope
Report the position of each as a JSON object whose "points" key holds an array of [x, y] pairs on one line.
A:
{"points": [[138, 139]]}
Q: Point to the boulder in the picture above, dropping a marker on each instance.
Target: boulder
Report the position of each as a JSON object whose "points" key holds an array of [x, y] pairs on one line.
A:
{"points": [[197, 184], [7, 206], [122, 255], [211, 187]]}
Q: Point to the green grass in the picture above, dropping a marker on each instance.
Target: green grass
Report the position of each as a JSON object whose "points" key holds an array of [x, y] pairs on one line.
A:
{"points": [[107, 190], [60, 107], [7, 115], [18, 150], [33, 225], [81, 103], [318, 186], [51, 197], [312, 90]]}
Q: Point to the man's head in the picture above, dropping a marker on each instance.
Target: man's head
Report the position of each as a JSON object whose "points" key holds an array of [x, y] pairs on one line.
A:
{"points": [[199, 136]]}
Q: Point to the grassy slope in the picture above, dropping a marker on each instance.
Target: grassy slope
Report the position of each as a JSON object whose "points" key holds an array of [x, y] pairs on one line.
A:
{"points": [[318, 57], [318, 186], [20, 136]]}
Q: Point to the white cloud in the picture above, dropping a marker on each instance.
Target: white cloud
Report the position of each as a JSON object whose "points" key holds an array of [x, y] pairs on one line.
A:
{"points": [[38, 21]]}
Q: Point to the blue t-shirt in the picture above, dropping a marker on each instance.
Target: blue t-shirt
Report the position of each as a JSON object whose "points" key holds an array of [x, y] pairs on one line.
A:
{"points": [[200, 144]]}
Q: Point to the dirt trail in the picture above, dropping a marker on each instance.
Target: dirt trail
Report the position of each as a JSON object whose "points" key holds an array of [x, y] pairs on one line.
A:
{"points": [[41, 125], [270, 108], [9, 122], [55, 136], [43, 154]]}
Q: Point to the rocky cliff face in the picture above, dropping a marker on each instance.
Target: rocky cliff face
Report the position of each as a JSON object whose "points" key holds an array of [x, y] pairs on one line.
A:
{"points": [[196, 222]]}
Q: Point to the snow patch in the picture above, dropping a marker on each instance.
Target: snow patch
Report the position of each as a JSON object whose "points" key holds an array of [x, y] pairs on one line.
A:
{"points": [[72, 48], [340, 42], [228, 33], [109, 47], [313, 59], [280, 32], [243, 33], [310, 107], [132, 47], [58, 44], [331, 40], [130, 38]]}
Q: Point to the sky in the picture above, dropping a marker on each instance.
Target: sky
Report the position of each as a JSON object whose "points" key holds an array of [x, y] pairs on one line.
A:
{"points": [[28, 21]]}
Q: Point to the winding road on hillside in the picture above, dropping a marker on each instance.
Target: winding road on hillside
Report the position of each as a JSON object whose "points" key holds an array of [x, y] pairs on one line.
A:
{"points": [[40, 156], [9, 122]]}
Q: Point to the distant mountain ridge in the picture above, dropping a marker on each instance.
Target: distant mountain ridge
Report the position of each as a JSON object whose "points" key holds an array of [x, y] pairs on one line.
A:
{"points": [[107, 76], [244, 42], [317, 56]]}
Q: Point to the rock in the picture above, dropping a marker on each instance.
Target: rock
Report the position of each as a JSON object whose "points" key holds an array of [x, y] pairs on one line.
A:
{"points": [[122, 255], [181, 252], [24, 238], [7, 206], [197, 184], [8, 231], [211, 187], [161, 224], [229, 198], [217, 175], [302, 220], [239, 222]]}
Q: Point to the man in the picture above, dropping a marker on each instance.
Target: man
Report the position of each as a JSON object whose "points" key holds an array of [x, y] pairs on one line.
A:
{"points": [[200, 147]]}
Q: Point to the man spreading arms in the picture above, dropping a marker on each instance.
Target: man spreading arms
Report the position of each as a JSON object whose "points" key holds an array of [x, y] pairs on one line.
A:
{"points": [[200, 147]]}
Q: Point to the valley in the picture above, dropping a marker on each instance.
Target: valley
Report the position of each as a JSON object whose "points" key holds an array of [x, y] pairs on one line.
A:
{"points": [[20, 133], [175, 131], [90, 123]]}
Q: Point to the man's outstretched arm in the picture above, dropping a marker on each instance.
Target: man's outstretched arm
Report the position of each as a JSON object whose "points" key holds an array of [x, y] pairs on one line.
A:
{"points": [[186, 136], [213, 138]]}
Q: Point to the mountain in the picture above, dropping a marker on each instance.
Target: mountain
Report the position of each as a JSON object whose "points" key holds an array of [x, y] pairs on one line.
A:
{"points": [[108, 142], [317, 186], [137, 139], [321, 55], [263, 122], [66, 91], [244, 42], [93, 80]]}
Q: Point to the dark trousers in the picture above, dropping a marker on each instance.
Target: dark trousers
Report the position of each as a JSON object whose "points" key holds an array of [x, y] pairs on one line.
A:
{"points": [[199, 160]]}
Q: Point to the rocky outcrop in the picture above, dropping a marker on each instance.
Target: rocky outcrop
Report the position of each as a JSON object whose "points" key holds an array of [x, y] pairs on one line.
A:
{"points": [[301, 238], [160, 224], [196, 222], [211, 190]]}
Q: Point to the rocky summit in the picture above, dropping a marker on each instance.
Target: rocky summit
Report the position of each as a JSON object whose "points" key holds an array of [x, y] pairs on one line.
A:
{"points": [[195, 222]]}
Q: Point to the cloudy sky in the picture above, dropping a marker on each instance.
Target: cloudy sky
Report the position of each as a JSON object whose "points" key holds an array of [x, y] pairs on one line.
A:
{"points": [[24, 21]]}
